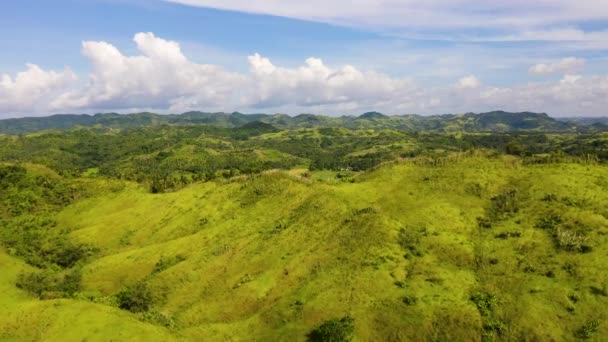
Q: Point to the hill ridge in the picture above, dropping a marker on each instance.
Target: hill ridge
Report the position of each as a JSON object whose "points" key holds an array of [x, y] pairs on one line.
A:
{"points": [[495, 121]]}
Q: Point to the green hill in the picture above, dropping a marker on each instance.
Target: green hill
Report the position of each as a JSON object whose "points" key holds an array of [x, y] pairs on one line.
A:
{"points": [[199, 232], [463, 247], [498, 121]]}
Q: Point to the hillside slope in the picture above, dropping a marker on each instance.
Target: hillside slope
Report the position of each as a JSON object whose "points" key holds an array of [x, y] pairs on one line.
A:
{"points": [[465, 247], [28, 319]]}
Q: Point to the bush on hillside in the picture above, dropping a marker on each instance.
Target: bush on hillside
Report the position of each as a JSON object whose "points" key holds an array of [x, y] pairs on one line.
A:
{"points": [[410, 300], [71, 283], [334, 330], [549, 222], [409, 239], [37, 283], [167, 262], [40, 242], [136, 298], [588, 329], [515, 148], [485, 302], [484, 222], [49, 284], [493, 327], [504, 205], [68, 254], [565, 236], [570, 241]]}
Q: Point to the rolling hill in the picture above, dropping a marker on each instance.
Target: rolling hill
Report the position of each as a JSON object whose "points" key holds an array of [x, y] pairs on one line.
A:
{"points": [[466, 247], [498, 121]]}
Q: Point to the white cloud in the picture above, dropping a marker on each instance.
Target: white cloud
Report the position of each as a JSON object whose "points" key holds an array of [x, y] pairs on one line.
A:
{"points": [[555, 21], [157, 78], [317, 84], [469, 82], [31, 89], [162, 78], [568, 65], [432, 14], [573, 95]]}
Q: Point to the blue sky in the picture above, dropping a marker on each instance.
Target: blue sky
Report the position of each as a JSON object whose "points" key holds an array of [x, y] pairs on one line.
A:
{"points": [[50, 32], [394, 56]]}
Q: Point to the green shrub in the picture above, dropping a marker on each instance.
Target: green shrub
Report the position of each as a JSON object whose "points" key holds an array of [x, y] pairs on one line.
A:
{"points": [[49, 284], [474, 189], [37, 283], [167, 262], [564, 236], [485, 302], [588, 329], [344, 175], [362, 211], [136, 298], [507, 235], [494, 326], [549, 222], [599, 291], [334, 330], [67, 254], [38, 240], [570, 241], [410, 300], [504, 205], [571, 269], [71, 283], [484, 222], [515, 148], [409, 239], [549, 198]]}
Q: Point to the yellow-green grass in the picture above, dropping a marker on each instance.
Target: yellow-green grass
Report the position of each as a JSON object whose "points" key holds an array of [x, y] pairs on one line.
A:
{"points": [[272, 256], [27, 319]]}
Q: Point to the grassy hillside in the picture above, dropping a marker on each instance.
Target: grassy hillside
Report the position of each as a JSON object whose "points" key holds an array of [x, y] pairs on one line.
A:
{"points": [[462, 247], [28, 319]]}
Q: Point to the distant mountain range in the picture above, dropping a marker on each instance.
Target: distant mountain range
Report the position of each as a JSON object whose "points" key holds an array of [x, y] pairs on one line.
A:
{"points": [[497, 121]]}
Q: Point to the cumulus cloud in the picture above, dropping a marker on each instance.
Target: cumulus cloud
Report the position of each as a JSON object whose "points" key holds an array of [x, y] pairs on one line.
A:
{"points": [[314, 83], [573, 95], [162, 78], [568, 65], [31, 89]]}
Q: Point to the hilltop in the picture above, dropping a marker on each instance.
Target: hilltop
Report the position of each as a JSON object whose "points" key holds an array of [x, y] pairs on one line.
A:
{"points": [[497, 121]]}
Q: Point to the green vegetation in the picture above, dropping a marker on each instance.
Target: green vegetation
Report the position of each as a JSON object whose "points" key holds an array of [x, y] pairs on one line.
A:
{"points": [[334, 330], [588, 330], [497, 121], [328, 234], [135, 298]]}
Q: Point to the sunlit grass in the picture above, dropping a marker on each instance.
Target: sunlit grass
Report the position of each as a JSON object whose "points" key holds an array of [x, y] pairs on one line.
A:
{"points": [[270, 257]]}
